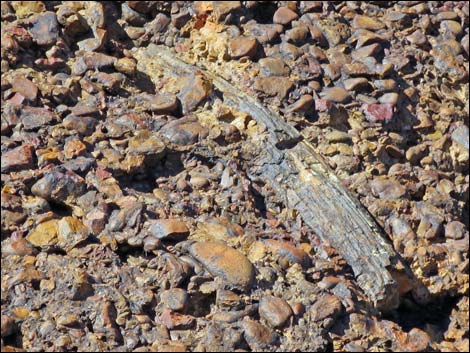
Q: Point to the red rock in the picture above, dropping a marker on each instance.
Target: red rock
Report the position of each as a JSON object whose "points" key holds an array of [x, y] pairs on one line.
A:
{"points": [[378, 112], [18, 158], [284, 16]]}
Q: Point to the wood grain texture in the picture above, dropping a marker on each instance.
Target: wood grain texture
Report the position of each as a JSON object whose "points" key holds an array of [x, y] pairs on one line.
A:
{"points": [[302, 180]]}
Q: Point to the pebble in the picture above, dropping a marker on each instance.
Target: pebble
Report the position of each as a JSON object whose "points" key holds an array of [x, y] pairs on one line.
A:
{"points": [[224, 262], [74, 148], [273, 67], [45, 234], [264, 33], [286, 250], [84, 125], [326, 306], [304, 104], [455, 230], [276, 311], [355, 84], [165, 103], [461, 136], [224, 8], [243, 46], [71, 232], [196, 90], [8, 325], [274, 86], [176, 298], [366, 22], [59, 186], [44, 28], [25, 87], [366, 51], [414, 154], [34, 118], [284, 16], [256, 335], [169, 229], [19, 158], [378, 112], [387, 189], [336, 94], [185, 131]]}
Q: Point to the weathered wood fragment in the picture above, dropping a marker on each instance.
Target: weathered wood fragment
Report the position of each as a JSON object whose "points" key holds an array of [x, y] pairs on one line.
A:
{"points": [[303, 181]]}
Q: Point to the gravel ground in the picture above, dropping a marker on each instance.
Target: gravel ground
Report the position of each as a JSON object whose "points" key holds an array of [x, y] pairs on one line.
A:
{"points": [[130, 220]]}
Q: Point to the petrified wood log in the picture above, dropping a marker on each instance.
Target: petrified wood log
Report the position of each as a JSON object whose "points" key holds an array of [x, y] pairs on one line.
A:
{"points": [[303, 181]]}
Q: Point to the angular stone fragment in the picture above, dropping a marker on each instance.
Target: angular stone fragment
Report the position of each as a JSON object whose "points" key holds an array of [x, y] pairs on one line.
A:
{"points": [[169, 229], [45, 234], [19, 158], [59, 186], [74, 148], [84, 125], [276, 311], [146, 142], [303, 104], [223, 261], [92, 60], [25, 87], [164, 103], [284, 16], [176, 321], [34, 118], [45, 28], [264, 33], [326, 306], [461, 136], [196, 90], [223, 8], [70, 232]]}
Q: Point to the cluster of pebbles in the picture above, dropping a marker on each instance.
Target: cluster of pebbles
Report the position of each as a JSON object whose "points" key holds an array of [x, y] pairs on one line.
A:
{"points": [[129, 221]]}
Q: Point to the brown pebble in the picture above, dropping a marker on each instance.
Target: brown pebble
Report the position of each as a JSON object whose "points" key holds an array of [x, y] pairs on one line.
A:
{"points": [[284, 16], [276, 311]]}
